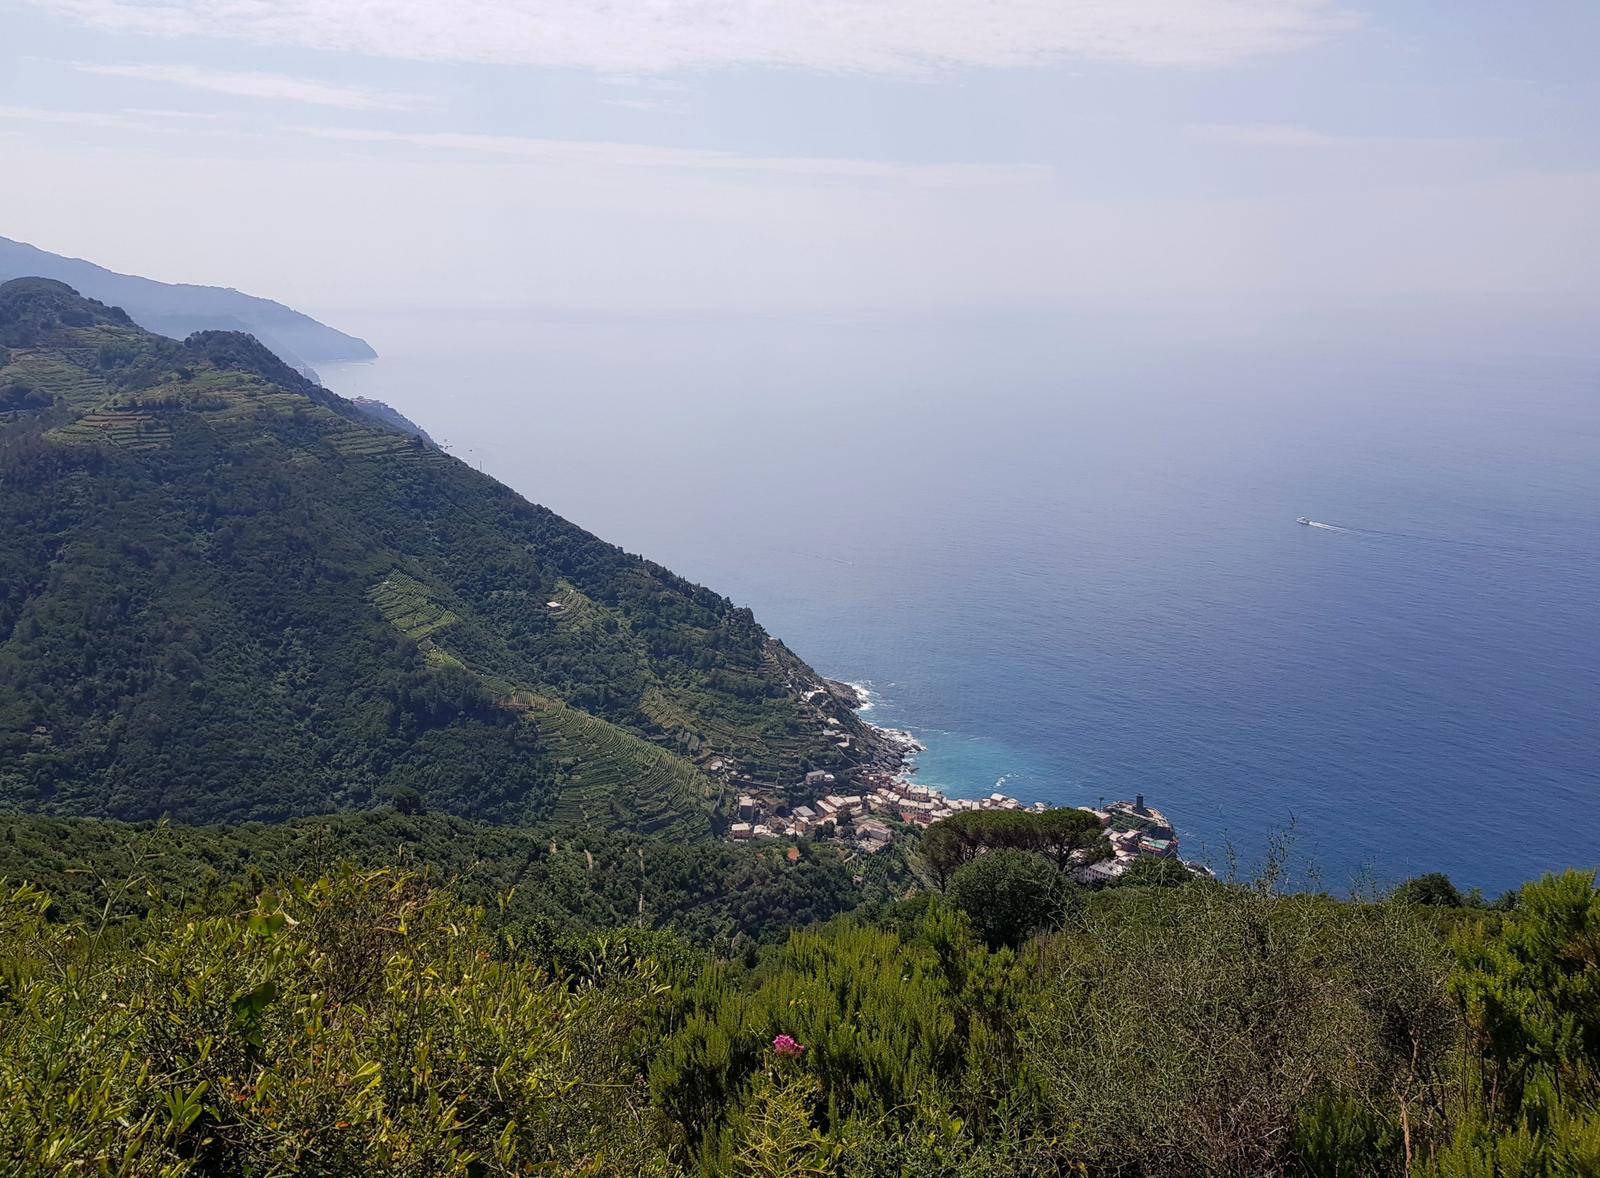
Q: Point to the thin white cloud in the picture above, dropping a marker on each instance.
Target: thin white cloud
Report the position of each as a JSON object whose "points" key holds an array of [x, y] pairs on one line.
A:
{"points": [[647, 93], [660, 105], [600, 154], [163, 113], [645, 82], [1269, 135], [277, 87], [1287, 136], [74, 118], [625, 36]]}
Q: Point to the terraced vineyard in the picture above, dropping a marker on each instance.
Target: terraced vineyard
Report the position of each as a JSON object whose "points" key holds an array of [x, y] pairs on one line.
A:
{"points": [[611, 779], [227, 396], [406, 604], [605, 777], [357, 441], [576, 612], [128, 429], [767, 743], [53, 375], [771, 755]]}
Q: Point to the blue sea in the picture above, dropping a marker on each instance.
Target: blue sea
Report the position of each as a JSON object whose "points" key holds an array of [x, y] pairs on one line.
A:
{"points": [[1065, 554]]}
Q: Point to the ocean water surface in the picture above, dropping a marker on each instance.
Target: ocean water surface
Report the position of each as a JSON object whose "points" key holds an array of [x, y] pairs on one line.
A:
{"points": [[1066, 556]]}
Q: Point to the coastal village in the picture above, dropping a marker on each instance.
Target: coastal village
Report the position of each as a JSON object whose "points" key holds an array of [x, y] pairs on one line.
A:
{"points": [[872, 821], [869, 807]]}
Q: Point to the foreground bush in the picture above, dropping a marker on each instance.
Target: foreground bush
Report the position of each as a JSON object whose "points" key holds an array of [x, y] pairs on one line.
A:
{"points": [[1210, 1029], [1529, 992], [365, 1024], [911, 1051], [352, 1026]]}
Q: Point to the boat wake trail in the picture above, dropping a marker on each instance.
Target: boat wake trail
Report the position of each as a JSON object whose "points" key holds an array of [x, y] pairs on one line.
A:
{"points": [[1413, 537]]}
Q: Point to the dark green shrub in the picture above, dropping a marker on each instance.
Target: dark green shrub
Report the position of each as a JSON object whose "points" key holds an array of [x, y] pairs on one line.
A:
{"points": [[1008, 895]]}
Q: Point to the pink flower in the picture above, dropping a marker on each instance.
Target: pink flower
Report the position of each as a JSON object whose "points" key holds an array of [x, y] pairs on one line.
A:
{"points": [[784, 1045]]}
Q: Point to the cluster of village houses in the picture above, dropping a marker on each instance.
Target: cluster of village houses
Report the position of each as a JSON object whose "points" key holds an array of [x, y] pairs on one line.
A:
{"points": [[1132, 828], [870, 819], [859, 818]]}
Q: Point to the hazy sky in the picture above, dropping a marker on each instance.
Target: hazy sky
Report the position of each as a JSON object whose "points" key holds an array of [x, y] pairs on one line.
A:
{"points": [[817, 154]]}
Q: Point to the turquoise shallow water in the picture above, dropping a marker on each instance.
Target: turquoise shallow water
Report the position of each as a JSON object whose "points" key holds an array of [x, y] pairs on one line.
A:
{"points": [[1068, 558]]}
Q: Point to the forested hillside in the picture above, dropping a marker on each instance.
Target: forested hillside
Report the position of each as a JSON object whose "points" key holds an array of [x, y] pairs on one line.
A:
{"points": [[227, 593], [547, 881]]}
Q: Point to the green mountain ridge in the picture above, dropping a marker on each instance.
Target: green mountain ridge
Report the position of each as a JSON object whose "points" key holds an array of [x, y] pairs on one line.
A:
{"points": [[230, 594]]}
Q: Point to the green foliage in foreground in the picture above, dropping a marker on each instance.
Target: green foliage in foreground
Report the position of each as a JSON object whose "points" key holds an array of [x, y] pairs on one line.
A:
{"points": [[353, 1026], [367, 1023], [553, 882]]}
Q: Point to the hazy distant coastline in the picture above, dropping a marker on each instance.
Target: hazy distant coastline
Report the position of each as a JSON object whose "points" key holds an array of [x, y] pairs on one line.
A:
{"points": [[180, 309]]}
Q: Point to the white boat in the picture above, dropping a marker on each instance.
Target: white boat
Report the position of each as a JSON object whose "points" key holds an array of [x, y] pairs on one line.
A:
{"points": [[1302, 519]]}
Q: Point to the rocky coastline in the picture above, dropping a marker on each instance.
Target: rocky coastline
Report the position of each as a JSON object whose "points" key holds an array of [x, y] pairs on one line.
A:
{"points": [[855, 803]]}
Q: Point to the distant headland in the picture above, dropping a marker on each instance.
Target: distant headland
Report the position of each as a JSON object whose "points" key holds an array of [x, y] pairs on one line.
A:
{"points": [[178, 310]]}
